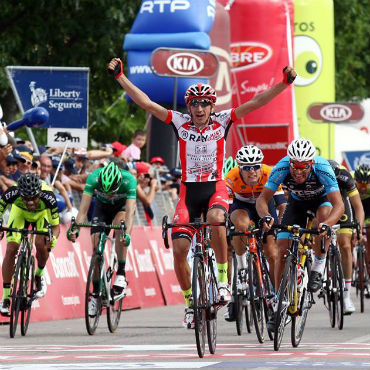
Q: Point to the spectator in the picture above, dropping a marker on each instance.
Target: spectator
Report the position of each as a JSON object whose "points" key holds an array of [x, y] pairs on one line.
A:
{"points": [[36, 168], [12, 164], [118, 149], [133, 151], [157, 162], [24, 157], [80, 157]]}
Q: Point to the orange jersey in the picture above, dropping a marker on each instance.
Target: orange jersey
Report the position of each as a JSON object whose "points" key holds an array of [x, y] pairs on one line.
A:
{"points": [[238, 189]]}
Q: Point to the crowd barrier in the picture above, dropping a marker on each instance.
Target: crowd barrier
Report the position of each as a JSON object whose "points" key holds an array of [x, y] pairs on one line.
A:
{"points": [[149, 271]]}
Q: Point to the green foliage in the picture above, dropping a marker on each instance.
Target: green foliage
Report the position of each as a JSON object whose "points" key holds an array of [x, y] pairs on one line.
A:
{"points": [[352, 45]]}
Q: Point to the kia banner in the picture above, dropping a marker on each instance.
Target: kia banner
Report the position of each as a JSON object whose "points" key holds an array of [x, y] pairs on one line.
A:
{"points": [[261, 44], [336, 112]]}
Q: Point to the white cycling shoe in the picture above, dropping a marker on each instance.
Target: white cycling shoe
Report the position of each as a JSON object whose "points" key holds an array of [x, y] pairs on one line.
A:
{"points": [[92, 307], [120, 285], [189, 320], [41, 286], [224, 295], [349, 307]]}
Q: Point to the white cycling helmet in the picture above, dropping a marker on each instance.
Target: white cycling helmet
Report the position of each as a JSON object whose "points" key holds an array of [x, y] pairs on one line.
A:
{"points": [[249, 154], [301, 150]]}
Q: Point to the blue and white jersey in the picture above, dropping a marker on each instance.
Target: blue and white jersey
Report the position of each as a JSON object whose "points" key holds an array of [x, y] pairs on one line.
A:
{"points": [[321, 180]]}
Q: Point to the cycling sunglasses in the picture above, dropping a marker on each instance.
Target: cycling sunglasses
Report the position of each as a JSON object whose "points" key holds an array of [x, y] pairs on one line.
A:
{"points": [[300, 166], [254, 167], [203, 103]]}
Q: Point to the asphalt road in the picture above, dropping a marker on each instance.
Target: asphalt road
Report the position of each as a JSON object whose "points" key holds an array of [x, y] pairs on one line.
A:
{"points": [[154, 338]]}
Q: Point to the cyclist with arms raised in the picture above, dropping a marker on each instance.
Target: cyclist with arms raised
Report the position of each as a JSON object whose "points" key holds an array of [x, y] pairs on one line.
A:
{"points": [[32, 202], [115, 191], [201, 134], [351, 199], [312, 186]]}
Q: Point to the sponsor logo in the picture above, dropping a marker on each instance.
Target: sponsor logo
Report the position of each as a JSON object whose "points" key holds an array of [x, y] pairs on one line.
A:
{"points": [[336, 112], [246, 55], [273, 146], [64, 267], [163, 6], [186, 64]]}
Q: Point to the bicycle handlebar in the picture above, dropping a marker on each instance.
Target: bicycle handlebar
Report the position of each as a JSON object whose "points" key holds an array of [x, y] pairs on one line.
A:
{"points": [[27, 231], [100, 225]]}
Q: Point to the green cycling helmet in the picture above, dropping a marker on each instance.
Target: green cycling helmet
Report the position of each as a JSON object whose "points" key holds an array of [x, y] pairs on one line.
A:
{"points": [[362, 174], [110, 178]]}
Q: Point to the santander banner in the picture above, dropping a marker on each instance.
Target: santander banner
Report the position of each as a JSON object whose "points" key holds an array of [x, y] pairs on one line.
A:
{"points": [[261, 46], [149, 271]]}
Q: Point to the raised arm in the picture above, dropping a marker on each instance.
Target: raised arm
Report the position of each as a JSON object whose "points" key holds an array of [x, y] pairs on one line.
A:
{"points": [[263, 98], [138, 96]]}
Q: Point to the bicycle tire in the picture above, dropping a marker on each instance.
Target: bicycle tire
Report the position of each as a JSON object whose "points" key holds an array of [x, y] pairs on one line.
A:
{"points": [[330, 285], [199, 304], [340, 289], [29, 284], [269, 293], [305, 298], [256, 299], [361, 278], [94, 273], [16, 293], [211, 309], [114, 309], [283, 303]]}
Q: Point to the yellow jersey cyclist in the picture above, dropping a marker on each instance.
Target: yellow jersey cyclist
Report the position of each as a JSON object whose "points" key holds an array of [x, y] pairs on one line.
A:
{"points": [[362, 178], [352, 202], [115, 190], [32, 203]]}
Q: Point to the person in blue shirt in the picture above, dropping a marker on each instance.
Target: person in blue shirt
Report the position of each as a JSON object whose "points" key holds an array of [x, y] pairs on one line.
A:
{"points": [[312, 185]]}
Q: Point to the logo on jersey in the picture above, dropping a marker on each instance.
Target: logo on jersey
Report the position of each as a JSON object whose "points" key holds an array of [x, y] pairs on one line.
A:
{"points": [[245, 55], [184, 134]]}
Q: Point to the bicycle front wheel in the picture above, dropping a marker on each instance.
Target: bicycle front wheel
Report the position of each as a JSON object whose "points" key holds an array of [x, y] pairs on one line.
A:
{"points": [[360, 279], [16, 295], [93, 300], [329, 290], [340, 289], [199, 304], [28, 286], [304, 304], [256, 299], [284, 301], [114, 308], [211, 309]]}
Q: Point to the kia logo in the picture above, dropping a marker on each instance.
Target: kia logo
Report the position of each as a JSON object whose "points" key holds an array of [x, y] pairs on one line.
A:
{"points": [[186, 64], [336, 112], [246, 55]]}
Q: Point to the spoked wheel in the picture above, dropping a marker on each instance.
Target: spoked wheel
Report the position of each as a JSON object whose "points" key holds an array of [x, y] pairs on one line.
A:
{"points": [[329, 290], [304, 304], [115, 306], [339, 294], [28, 286], [256, 299], [93, 298], [269, 293], [212, 312], [16, 295], [199, 305], [360, 286], [283, 304]]}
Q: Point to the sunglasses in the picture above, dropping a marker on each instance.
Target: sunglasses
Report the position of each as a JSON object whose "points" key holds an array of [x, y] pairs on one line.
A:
{"points": [[202, 103], [300, 166], [255, 167]]}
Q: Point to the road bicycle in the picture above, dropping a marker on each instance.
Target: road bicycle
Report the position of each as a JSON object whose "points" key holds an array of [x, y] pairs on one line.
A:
{"points": [[204, 283], [260, 286], [361, 275], [333, 287], [101, 278], [294, 298], [22, 287]]}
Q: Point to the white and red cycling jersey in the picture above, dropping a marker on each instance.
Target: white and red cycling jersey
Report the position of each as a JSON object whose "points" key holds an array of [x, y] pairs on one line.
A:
{"points": [[202, 152]]}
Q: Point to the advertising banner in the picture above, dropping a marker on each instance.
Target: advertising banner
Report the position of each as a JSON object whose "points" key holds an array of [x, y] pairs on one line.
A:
{"points": [[355, 158], [260, 48]]}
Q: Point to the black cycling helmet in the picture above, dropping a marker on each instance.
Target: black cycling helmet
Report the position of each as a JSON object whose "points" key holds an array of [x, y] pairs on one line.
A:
{"points": [[29, 185], [335, 166], [362, 174]]}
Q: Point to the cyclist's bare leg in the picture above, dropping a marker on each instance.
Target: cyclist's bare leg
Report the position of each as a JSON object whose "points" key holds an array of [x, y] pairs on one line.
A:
{"points": [[9, 262], [218, 238], [121, 250], [344, 242], [240, 220], [283, 247], [181, 248], [42, 253], [270, 250]]}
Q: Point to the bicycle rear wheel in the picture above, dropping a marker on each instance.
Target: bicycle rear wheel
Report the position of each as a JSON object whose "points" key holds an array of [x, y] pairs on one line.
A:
{"points": [[16, 295], [304, 304], [283, 303], [115, 307], [93, 287], [256, 299], [211, 310], [28, 286], [199, 304]]}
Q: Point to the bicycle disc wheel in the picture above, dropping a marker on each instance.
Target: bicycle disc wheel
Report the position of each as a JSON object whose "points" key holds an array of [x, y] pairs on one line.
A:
{"points": [[199, 304], [361, 277], [29, 284], [212, 310], [256, 299], [92, 286], [16, 295], [304, 304], [283, 303], [115, 307]]}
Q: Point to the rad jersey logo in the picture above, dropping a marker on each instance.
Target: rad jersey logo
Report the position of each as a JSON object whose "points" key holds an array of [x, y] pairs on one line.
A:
{"points": [[247, 55]]}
